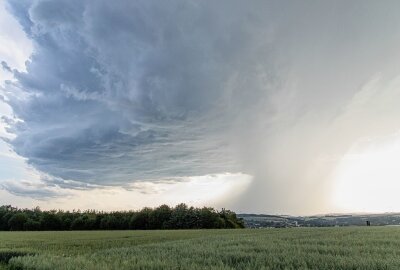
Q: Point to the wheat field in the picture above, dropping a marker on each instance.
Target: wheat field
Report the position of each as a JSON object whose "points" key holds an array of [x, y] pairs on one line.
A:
{"points": [[291, 248]]}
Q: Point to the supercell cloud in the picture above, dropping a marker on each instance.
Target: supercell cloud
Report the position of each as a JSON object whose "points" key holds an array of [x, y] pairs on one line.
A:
{"points": [[118, 92], [134, 90]]}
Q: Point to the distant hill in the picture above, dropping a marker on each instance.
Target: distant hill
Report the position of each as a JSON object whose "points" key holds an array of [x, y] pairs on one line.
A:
{"points": [[329, 220]]}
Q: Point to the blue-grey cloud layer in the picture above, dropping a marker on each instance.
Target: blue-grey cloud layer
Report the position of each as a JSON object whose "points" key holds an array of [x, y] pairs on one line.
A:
{"points": [[132, 90]]}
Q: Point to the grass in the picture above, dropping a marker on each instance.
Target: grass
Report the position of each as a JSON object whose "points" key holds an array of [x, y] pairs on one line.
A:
{"points": [[296, 248]]}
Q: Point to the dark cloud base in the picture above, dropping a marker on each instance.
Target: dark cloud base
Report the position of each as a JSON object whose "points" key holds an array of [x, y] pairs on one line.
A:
{"points": [[125, 91]]}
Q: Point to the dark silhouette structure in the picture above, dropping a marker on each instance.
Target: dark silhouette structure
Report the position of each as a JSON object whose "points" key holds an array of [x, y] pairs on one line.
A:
{"points": [[368, 223]]}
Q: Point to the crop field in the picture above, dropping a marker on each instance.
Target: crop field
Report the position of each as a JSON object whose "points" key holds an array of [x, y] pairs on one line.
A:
{"points": [[294, 248]]}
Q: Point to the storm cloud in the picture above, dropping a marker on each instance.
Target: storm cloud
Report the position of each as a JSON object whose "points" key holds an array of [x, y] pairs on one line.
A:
{"points": [[135, 90], [130, 91]]}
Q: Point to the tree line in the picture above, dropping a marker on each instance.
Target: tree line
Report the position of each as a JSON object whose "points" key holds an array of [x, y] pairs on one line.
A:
{"points": [[162, 217]]}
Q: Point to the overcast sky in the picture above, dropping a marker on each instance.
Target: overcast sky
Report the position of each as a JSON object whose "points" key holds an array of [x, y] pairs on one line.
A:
{"points": [[287, 107]]}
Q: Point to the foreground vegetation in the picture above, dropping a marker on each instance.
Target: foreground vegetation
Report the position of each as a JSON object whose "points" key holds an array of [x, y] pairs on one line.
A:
{"points": [[162, 217], [292, 248]]}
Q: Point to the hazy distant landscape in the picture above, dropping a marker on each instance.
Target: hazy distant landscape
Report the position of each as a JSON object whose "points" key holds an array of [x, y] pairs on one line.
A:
{"points": [[282, 221]]}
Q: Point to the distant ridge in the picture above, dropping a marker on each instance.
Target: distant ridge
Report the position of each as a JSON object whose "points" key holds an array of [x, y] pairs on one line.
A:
{"points": [[325, 220]]}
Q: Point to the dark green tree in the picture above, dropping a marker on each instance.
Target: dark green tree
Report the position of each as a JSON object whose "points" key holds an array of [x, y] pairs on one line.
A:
{"points": [[140, 220], [162, 217], [159, 217], [49, 221], [17, 221], [31, 225]]}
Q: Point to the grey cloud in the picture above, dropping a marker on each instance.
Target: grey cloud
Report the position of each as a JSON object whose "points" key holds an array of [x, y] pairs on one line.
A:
{"points": [[6, 66], [133, 90], [7, 120], [20, 9], [125, 91], [37, 191], [152, 187], [66, 184]]}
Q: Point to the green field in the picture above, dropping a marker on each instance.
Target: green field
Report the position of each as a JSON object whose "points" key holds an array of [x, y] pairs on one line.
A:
{"points": [[295, 248]]}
